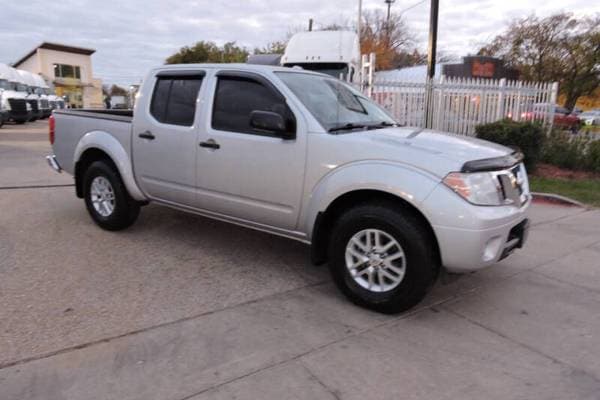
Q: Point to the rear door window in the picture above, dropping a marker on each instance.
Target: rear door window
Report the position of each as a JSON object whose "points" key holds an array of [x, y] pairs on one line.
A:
{"points": [[174, 99]]}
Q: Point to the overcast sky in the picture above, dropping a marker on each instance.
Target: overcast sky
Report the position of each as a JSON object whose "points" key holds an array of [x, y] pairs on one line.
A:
{"points": [[131, 36]]}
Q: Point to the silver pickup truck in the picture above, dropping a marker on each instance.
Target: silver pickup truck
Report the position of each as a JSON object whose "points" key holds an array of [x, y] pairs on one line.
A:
{"points": [[305, 156]]}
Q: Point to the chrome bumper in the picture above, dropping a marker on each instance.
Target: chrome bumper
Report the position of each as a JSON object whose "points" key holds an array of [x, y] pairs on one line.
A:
{"points": [[53, 163]]}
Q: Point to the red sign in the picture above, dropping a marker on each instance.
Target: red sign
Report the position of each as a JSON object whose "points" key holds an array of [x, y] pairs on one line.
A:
{"points": [[483, 69]]}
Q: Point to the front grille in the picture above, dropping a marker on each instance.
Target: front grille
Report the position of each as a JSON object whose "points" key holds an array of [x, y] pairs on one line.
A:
{"points": [[512, 183], [44, 103], [34, 105], [18, 105], [52, 105]]}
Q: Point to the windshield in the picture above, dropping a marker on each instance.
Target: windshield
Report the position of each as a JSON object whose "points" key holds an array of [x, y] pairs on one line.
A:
{"points": [[4, 84], [38, 90], [21, 87], [333, 103]]}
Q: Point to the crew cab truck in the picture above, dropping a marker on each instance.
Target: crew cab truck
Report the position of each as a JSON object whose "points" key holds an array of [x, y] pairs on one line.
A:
{"points": [[305, 156]]}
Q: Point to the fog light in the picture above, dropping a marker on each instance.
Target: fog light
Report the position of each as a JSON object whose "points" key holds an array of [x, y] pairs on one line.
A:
{"points": [[491, 249]]}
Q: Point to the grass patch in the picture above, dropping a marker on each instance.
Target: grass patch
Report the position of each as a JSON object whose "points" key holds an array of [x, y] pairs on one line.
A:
{"points": [[586, 191]]}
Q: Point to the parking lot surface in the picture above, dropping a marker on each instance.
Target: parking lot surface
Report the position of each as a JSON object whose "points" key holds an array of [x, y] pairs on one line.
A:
{"points": [[182, 307]]}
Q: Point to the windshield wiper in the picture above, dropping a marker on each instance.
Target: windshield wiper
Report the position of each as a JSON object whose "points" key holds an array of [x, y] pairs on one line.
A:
{"points": [[347, 127], [350, 125], [383, 124]]}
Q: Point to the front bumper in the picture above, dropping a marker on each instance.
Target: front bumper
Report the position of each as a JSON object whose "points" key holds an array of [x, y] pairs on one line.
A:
{"points": [[20, 116], [474, 237], [470, 250]]}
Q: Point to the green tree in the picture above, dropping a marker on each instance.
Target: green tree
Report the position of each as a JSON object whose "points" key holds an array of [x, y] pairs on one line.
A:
{"points": [[209, 52], [556, 48]]}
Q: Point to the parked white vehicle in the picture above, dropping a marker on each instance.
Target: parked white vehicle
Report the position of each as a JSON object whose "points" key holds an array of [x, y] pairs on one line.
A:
{"points": [[302, 155], [336, 53], [42, 89], [14, 96], [26, 79], [590, 118]]}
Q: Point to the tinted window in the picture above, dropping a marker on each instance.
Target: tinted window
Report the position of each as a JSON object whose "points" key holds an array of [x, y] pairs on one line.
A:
{"points": [[174, 100], [158, 107], [236, 98]]}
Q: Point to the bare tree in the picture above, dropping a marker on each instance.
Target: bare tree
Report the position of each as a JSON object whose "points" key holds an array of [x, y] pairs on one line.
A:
{"points": [[386, 38], [556, 48]]}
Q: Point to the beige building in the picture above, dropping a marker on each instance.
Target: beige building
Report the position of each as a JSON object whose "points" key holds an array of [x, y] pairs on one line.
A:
{"points": [[69, 69]]}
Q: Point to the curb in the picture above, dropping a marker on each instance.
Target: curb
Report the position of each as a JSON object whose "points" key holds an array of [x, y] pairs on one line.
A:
{"points": [[558, 199]]}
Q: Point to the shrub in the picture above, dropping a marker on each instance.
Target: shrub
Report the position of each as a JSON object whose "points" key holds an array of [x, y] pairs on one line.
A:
{"points": [[528, 137], [592, 159], [565, 150]]}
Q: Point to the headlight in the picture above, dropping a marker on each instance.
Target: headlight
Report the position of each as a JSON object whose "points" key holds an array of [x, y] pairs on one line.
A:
{"points": [[5, 104], [28, 106], [480, 188]]}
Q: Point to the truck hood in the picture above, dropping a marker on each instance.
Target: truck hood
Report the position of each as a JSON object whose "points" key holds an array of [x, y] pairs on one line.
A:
{"points": [[436, 152]]}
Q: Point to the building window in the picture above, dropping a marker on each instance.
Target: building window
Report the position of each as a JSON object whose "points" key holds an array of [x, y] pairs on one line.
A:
{"points": [[67, 71]]}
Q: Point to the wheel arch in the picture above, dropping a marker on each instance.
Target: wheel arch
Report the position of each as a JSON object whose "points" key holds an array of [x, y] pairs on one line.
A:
{"points": [[98, 145], [325, 220]]}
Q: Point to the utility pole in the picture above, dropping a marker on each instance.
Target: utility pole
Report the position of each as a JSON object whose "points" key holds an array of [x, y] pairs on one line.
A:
{"points": [[310, 24], [433, 28], [432, 48]]}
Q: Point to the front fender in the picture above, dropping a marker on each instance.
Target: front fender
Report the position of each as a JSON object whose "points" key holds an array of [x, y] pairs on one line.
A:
{"points": [[404, 181], [107, 143]]}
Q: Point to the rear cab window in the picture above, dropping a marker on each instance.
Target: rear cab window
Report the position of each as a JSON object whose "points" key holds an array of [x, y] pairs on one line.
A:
{"points": [[174, 97]]}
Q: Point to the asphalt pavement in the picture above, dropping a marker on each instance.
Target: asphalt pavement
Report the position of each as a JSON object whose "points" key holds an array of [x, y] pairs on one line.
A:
{"points": [[182, 307]]}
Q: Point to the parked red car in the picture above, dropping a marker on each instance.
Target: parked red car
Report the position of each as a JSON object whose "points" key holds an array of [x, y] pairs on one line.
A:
{"points": [[563, 119]]}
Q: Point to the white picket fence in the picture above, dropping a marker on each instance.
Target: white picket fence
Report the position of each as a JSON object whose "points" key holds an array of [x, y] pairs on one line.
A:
{"points": [[458, 105]]}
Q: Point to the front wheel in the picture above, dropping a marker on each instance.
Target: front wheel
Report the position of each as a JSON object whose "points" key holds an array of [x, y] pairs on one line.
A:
{"points": [[382, 257], [106, 197]]}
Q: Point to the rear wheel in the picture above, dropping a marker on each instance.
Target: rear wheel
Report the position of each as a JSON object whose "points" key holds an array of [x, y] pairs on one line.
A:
{"points": [[106, 197], [382, 258]]}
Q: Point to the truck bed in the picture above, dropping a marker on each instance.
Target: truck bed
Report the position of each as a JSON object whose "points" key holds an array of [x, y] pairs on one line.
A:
{"points": [[117, 115], [72, 125]]}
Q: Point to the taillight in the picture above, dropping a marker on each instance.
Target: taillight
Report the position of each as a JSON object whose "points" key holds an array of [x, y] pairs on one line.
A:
{"points": [[51, 125]]}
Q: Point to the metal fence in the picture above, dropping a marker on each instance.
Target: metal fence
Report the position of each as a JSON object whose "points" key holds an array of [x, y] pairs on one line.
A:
{"points": [[458, 105]]}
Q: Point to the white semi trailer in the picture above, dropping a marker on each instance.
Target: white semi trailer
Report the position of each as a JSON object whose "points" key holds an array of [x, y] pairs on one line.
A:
{"points": [[335, 53]]}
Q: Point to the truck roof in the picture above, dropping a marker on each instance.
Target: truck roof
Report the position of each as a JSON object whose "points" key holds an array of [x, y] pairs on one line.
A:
{"points": [[322, 47], [232, 66], [9, 73]]}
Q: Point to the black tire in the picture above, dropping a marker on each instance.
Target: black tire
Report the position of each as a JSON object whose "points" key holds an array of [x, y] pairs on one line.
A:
{"points": [[421, 265], [125, 211], [20, 122]]}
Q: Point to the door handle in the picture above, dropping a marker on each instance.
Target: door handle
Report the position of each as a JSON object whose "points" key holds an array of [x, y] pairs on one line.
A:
{"points": [[147, 135], [210, 144]]}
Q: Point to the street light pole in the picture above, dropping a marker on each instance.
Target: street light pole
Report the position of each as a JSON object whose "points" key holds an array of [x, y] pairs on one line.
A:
{"points": [[359, 22], [389, 5]]}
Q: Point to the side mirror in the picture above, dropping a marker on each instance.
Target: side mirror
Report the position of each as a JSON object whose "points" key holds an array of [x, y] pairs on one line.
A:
{"points": [[270, 122]]}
